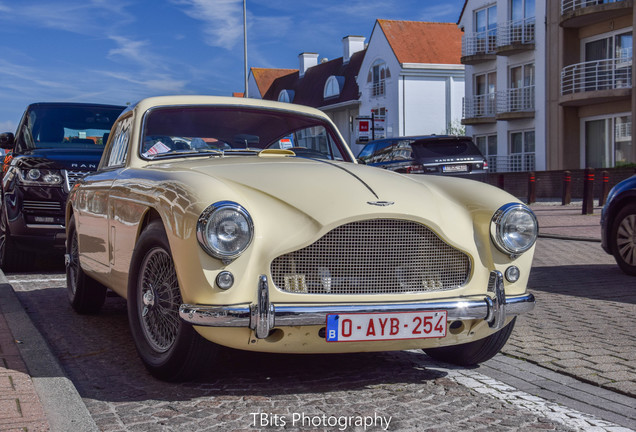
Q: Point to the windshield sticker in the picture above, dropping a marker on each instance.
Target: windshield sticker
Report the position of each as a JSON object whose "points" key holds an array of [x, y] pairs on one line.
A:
{"points": [[159, 147]]}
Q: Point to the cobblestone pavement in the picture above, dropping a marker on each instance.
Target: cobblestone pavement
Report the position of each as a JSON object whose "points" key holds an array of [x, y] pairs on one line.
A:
{"points": [[581, 327], [585, 317]]}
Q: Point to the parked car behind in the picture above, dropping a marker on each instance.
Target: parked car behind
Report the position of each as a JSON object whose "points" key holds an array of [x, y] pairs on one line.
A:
{"points": [[55, 144], [431, 154], [618, 225], [267, 236]]}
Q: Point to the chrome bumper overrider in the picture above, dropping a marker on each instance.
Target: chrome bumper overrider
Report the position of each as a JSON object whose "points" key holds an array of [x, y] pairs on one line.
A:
{"points": [[264, 316]]}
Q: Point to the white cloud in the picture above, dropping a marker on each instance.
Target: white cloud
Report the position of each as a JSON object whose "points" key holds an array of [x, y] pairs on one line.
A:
{"points": [[223, 20]]}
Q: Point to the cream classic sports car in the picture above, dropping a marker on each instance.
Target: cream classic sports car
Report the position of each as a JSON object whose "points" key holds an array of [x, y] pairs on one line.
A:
{"points": [[248, 224]]}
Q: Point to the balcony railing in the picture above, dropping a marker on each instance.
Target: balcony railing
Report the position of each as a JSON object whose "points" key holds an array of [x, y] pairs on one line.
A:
{"points": [[479, 43], [515, 100], [516, 32], [378, 88], [480, 106], [512, 163], [609, 74], [572, 5]]}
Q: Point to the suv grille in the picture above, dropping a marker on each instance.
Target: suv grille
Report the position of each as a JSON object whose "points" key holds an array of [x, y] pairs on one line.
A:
{"points": [[73, 176], [383, 256]]}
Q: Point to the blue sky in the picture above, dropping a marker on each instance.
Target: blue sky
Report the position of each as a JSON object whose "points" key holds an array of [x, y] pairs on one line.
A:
{"points": [[119, 51]]}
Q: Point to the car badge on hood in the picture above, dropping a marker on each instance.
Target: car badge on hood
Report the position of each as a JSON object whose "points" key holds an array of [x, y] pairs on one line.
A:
{"points": [[380, 203]]}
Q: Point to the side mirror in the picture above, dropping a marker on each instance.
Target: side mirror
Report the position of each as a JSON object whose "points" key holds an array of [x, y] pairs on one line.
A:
{"points": [[7, 140]]}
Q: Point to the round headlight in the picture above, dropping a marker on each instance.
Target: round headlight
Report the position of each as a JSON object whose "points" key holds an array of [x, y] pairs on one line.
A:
{"points": [[33, 174], [225, 230], [515, 228]]}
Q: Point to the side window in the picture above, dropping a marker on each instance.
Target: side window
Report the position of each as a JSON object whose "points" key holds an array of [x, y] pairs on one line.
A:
{"points": [[119, 146]]}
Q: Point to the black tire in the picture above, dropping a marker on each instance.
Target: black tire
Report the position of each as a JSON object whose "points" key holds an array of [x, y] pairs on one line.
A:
{"points": [[473, 353], [85, 294], [623, 239], [170, 348], [12, 258]]}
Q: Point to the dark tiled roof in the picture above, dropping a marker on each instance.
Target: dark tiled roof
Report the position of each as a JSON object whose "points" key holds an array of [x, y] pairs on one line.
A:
{"points": [[309, 89], [423, 42]]}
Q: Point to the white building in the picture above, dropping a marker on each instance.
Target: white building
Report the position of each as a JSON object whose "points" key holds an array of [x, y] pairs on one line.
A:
{"points": [[504, 50], [411, 78]]}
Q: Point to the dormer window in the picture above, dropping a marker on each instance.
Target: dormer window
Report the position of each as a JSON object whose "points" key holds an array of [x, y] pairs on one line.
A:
{"points": [[378, 74], [286, 96], [333, 86]]}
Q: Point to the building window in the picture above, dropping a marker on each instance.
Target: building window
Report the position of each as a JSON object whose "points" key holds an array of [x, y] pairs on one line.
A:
{"points": [[487, 145], [486, 29], [520, 95], [521, 151], [521, 9], [378, 74], [608, 141], [608, 61], [333, 87], [286, 96], [485, 94]]}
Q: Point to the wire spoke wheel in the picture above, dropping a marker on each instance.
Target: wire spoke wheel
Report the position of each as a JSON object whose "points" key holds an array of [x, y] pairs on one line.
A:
{"points": [[159, 300]]}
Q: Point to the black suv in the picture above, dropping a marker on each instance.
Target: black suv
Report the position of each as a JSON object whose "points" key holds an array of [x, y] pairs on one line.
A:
{"points": [[431, 154], [55, 144]]}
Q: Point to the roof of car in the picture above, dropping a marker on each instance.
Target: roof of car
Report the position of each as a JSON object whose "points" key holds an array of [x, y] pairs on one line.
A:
{"points": [[73, 104], [192, 100], [421, 138]]}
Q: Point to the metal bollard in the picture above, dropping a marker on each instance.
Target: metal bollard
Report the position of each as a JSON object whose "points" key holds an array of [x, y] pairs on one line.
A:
{"points": [[567, 188], [604, 189], [588, 191], [532, 187]]}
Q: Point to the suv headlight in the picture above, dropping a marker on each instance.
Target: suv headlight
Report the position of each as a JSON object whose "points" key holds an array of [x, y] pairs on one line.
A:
{"points": [[225, 230], [514, 228], [39, 177]]}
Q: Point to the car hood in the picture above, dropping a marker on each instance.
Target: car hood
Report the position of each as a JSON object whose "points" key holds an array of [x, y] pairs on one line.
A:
{"points": [[332, 193], [85, 159]]}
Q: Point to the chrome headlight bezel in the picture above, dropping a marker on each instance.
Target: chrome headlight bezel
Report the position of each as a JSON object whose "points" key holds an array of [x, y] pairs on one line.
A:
{"points": [[210, 241], [502, 228]]}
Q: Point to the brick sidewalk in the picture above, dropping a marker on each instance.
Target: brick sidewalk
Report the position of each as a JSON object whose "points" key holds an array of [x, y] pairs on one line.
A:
{"points": [[567, 221], [20, 407]]}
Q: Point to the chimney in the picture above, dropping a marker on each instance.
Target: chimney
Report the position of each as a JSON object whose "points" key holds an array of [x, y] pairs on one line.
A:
{"points": [[307, 60], [350, 46]]}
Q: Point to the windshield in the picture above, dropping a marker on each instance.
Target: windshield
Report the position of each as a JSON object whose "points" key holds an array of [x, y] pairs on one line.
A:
{"points": [[68, 126], [179, 131]]}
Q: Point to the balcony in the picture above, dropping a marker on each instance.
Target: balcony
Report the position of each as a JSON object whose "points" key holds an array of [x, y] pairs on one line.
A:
{"points": [[581, 13], [515, 103], [479, 47], [479, 109], [596, 81], [515, 36], [519, 162]]}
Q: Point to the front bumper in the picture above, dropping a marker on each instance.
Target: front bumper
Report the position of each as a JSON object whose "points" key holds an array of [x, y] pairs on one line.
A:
{"points": [[263, 316]]}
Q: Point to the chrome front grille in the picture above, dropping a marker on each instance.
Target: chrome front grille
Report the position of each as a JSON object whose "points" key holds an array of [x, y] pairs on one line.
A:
{"points": [[42, 206], [382, 256]]}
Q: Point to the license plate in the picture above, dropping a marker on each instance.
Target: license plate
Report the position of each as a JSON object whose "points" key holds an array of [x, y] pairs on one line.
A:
{"points": [[385, 326], [454, 168]]}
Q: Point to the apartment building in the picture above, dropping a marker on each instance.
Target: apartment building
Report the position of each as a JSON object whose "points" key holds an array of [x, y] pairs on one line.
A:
{"points": [[590, 103], [504, 108]]}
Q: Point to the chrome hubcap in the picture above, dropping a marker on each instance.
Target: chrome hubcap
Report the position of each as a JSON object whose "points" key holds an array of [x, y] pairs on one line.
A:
{"points": [[626, 239], [160, 299]]}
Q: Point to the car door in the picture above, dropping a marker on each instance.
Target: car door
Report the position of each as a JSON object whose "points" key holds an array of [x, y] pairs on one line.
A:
{"points": [[92, 204]]}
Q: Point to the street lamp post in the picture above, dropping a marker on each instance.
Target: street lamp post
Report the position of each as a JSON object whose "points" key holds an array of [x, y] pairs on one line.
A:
{"points": [[245, 45]]}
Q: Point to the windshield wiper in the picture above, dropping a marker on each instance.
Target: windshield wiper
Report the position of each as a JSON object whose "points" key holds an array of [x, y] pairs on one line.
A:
{"points": [[177, 153]]}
